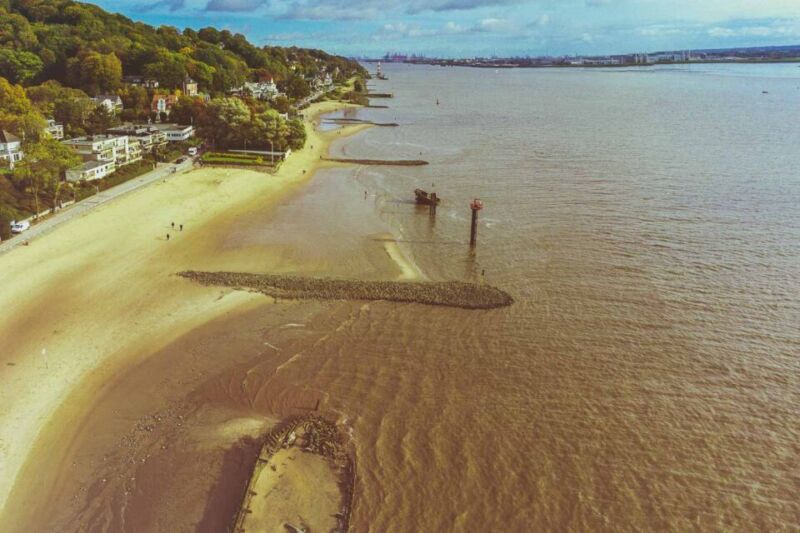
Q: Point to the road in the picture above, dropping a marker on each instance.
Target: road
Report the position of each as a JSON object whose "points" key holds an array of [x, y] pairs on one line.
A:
{"points": [[307, 100], [78, 209]]}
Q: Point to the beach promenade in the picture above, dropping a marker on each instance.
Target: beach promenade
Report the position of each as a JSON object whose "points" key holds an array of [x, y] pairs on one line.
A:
{"points": [[163, 171]]}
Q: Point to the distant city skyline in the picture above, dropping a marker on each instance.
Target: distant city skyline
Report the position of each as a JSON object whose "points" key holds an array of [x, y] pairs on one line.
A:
{"points": [[469, 28]]}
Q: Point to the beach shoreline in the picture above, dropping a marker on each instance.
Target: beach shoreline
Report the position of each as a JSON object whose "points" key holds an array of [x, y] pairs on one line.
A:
{"points": [[73, 326]]}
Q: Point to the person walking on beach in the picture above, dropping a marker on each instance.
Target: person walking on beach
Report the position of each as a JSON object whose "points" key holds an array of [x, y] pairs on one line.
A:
{"points": [[181, 227], [167, 236], [173, 225]]}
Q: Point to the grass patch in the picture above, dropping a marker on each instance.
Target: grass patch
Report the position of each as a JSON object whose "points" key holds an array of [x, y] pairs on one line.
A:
{"points": [[233, 158]]}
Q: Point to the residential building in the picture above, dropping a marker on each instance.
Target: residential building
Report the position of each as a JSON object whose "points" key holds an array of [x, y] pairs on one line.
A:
{"points": [[10, 148], [262, 90], [91, 170], [176, 132], [56, 131], [189, 87], [112, 102], [147, 134], [117, 148], [141, 81], [162, 103]]}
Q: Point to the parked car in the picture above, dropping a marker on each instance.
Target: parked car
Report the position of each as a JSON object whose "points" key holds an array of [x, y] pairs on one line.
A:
{"points": [[192, 151], [19, 227]]}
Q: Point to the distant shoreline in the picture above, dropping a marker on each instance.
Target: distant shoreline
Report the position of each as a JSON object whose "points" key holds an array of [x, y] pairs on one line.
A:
{"points": [[457, 63]]}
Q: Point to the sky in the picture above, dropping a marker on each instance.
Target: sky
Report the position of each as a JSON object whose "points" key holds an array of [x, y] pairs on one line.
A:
{"points": [[469, 28]]}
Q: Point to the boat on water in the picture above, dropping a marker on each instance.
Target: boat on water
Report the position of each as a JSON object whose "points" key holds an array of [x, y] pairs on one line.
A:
{"points": [[426, 199]]}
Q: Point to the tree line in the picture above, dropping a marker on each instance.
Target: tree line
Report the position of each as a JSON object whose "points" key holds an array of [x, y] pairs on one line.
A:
{"points": [[84, 47]]}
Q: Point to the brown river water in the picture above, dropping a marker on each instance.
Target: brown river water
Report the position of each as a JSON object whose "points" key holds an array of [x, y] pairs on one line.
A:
{"points": [[647, 378]]}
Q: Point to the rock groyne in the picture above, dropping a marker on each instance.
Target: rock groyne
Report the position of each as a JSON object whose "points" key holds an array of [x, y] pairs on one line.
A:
{"points": [[384, 162], [443, 293]]}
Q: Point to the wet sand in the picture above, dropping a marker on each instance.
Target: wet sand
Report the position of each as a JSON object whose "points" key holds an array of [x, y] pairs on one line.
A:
{"points": [[72, 329]]}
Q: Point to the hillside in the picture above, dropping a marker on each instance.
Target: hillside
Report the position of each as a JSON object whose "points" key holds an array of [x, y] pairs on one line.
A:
{"points": [[82, 46]]}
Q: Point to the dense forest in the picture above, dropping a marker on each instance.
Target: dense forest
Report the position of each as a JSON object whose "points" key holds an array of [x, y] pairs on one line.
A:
{"points": [[84, 47]]}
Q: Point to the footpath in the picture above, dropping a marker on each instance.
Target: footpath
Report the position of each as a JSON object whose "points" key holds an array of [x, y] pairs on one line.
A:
{"points": [[163, 171]]}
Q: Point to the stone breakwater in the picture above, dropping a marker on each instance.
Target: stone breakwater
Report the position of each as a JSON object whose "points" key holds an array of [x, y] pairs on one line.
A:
{"points": [[347, 121], [444, 293], [384, 162]]}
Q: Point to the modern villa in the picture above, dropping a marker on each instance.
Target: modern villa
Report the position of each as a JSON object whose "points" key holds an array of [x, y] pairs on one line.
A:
{"points": [[119, 150], [147, 134], [91, 170]]}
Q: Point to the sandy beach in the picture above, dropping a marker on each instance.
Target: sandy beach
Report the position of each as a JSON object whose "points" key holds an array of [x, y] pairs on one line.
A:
{"points": [[98, 296]]}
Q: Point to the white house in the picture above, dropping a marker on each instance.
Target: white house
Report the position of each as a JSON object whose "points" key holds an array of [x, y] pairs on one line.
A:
{"points": [[148, 135], [262, 90], [91, 170], [56, 131], [175, 132], [141, 81], [10, 148], [111, 102]]}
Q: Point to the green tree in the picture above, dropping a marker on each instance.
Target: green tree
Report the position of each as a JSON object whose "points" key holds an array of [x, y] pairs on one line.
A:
{"points": [[95, 72], [15, 31], [282, 104], [19, 66], [101, 119], [7, 216], [296, 137], [226, 121], [46, 97], [169, 68], [188, 110], [73, 113], [296, 87], [16, 111], [43, 168]]}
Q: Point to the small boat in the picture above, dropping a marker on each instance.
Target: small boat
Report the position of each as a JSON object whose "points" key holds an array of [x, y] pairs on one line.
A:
{"points": [[426, 199]]}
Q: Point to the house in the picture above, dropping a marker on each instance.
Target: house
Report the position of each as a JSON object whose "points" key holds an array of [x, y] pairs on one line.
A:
{"points": [[56, 131], [91, 170], [117, 148], [112, 102], [189, 87], [10, 148], [141, 81], [147, 134], [262, 90], [162, 103], [175, 132]]}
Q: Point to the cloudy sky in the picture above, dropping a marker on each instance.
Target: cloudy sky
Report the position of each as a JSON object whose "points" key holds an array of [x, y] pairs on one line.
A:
{"points": [[465, 28]]}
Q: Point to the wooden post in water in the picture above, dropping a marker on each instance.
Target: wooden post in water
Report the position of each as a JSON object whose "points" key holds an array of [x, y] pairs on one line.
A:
{"points": [[476, 205], [434, 201]]}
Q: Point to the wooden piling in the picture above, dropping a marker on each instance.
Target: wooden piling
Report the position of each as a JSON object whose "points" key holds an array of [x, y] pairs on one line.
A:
{"points": [[476, 205], [434, 201]]}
